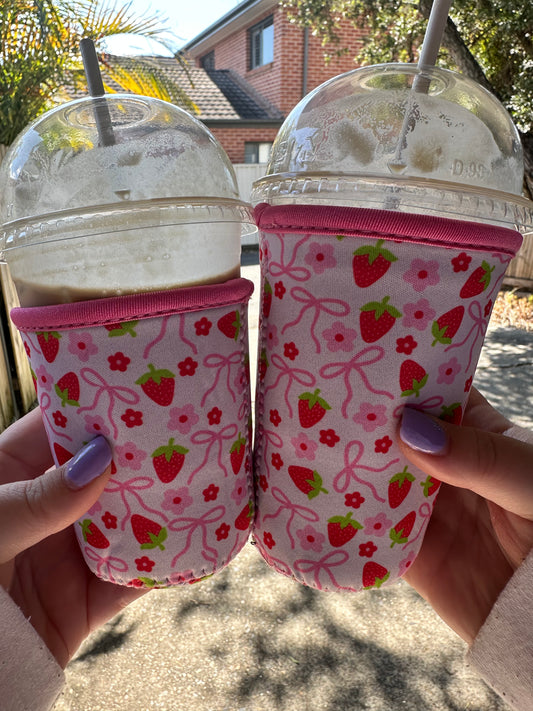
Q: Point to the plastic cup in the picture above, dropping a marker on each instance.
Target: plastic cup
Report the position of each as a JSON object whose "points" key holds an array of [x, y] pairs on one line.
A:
{"points": [[122, 232], [390, 209]]}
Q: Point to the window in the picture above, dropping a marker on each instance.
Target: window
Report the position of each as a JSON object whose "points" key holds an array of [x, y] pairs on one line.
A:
{"points": [[262, 43], [257, 152], [208, 61]]}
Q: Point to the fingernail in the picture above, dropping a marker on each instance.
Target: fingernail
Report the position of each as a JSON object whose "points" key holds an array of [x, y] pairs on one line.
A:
{"points": [[91, 461], [422, 433]]}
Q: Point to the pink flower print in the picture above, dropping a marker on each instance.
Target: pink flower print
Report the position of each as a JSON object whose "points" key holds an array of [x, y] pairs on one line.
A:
{"points": [[406, 345], [329, 437], [405, 564], [422, 274], [177, 500], [59, 418], [277, 461], [130, 456], [268, 540], [210, 493], [240, 490], [488, 308], [418, 315], [461, 262], [279, 289], [448, 371], [367, 550], [290, 350], [118, 361], [222, 532], [275, 417], [311, 539], [144, 564], [339, 338], [182, 419], [382, 446], [377, 525], [468, 384], [109, 520], [263, 482], [203, 326], [272, 335], [320, 257], [371, 416], [187, 366], [354, 500], [44, 379], [81, 344], [132, 418], [95, 424], [304, 448], [214, 416]]}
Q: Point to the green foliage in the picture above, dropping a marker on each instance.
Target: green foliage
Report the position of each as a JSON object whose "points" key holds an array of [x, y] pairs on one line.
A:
{"points": [[39, 55], [498, 33]]}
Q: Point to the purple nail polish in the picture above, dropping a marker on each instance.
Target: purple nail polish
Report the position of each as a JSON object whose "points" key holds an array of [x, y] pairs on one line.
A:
{"points": [[91, 461], [422, 433]]}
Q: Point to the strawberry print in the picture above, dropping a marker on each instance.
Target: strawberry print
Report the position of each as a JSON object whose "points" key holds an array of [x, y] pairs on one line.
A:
{"points": [[452, 413], [307, 480], [243, 520], [62, 455], [158, 385], [376, 319], [49, 344], [311, 408], [93, 535], [430, 486], [413, 378], [267, 299], [148, 533], [168, 461], [370, 263], [399, 487], [121, 329], [169, 514], [237, 452], [68, 389], [401, 532], [263, 364], [341, 529], [374, 575], [230, 325], [445, 327], [477, 282]]}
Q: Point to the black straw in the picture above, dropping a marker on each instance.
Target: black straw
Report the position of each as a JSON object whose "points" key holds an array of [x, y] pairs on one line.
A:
{"points": [[96, 90]]}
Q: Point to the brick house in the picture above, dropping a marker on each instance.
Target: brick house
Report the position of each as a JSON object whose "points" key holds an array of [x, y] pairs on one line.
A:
{"points": [[276, 61]]}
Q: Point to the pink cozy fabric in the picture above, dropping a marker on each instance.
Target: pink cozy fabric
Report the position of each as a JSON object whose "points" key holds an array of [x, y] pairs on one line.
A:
{"points": [[368, 313], [165, 378]]}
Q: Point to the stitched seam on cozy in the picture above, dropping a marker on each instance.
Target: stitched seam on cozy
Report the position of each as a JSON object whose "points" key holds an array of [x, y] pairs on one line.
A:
{"points": [[70, 316], [346, 221]]}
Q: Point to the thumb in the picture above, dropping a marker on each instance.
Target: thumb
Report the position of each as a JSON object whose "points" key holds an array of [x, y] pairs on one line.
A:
{"points": [[34, 509], [492, 465]]}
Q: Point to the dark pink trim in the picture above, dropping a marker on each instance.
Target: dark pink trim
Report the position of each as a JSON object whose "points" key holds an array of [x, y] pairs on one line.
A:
{"points": [[387, 224], [100, 312]]}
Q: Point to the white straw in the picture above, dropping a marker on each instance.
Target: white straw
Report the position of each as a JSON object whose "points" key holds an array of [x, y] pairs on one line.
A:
{"points": [[427, 58]]}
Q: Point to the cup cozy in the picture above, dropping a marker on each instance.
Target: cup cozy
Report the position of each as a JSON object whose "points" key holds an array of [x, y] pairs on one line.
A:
{"points": [[165, 378], [363, 312]]}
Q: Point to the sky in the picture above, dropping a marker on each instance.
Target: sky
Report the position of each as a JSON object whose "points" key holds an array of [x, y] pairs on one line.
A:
{"points": [[184, 18]]}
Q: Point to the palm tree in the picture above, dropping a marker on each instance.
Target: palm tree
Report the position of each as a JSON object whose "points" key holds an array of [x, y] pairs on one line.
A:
{"points": [[39, 56]]}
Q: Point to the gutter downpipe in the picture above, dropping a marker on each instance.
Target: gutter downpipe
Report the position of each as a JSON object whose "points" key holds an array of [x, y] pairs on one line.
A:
{"points": [[305, 59]]}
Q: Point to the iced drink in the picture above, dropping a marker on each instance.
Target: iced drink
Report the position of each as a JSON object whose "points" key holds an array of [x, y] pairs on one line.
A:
{"points": [[387, 218], [125, 254]]}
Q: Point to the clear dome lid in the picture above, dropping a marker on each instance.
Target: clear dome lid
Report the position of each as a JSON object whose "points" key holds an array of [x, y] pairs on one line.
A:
{"points": [[402, 129], [112, 151]]}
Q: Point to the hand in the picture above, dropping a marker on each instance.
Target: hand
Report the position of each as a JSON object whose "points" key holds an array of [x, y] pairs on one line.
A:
{"points": [[481, 529], [41, 565]]}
